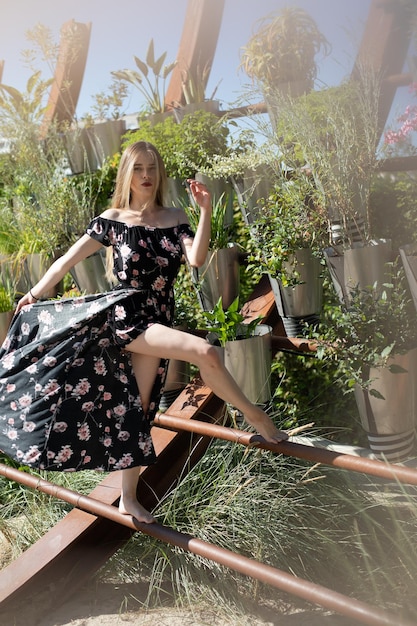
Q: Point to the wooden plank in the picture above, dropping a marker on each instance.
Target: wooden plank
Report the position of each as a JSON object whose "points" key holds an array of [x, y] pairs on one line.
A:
{"points": [[197, 45], [69, 73], [384, 47]]}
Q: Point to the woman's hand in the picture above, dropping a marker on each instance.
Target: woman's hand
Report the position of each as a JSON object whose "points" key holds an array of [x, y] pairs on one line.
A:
{"points": [[200, 193], [26, 299]]}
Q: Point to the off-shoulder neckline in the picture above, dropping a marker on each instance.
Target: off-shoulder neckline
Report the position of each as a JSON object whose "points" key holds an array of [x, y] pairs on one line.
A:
{"points": [[144, 226]]}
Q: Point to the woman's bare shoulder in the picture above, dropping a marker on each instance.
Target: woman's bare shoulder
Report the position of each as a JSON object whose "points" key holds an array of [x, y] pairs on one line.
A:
{"points": [[178, 216], [111, 214]]}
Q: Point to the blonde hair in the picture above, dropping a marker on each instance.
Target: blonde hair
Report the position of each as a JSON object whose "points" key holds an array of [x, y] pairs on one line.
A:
{"points": [[122, 194]]}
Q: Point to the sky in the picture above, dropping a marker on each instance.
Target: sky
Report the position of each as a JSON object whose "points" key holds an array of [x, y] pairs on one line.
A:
{"points": [[122, 29]]}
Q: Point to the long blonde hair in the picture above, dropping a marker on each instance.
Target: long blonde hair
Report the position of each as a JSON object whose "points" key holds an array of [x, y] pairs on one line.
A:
{"points": [[122, 194]]}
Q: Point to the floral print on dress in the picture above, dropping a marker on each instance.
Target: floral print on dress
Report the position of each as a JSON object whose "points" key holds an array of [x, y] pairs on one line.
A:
{"points": [[68, 397]]}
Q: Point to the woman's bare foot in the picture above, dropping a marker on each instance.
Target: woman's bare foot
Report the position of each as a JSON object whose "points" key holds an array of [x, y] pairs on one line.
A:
{"points": [[265, 426], [132, 507]]}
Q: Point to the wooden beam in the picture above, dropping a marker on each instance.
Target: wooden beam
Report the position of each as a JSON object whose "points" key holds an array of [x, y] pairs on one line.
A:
{"points": [[197, 46], [69, 73], [1, 70], [384, 47]]}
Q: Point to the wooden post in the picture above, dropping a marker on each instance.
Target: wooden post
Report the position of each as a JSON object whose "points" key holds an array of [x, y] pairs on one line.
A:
{"points": [[384, 47], [197, 46], [69, 73]]}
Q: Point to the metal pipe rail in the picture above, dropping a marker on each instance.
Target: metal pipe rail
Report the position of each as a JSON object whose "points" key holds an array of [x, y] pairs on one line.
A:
{"points": [[311, 592], [350, 462]]}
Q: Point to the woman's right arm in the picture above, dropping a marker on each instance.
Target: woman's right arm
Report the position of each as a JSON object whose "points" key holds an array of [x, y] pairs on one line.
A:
{"points": [[81, 249]]}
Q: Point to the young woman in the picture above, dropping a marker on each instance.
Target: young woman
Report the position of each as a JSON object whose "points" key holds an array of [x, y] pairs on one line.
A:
{"points": [[81, 378]]}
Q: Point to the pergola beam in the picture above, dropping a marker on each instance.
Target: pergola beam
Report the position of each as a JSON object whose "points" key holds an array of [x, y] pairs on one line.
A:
{"points": [[197, 46], [69, 73], [384, 47]]}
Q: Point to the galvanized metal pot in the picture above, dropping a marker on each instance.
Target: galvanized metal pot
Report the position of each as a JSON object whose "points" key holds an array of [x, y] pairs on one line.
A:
{"points": [[390, 423], [358, 267], [408, 255], [218, 276], [249, 362], [90, 274], [302, 303]]}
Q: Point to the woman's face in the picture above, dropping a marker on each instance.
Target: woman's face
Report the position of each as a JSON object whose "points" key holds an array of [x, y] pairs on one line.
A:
{"points": [[145, 176]]}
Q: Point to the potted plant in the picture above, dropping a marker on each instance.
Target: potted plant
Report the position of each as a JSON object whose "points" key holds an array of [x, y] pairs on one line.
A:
{"points": [[194, 83], [153, 92], [334, 132], [288, 236], [250, 169], [246, 348], [281, 54], [376, 339], [98, 136], [219, 276]]}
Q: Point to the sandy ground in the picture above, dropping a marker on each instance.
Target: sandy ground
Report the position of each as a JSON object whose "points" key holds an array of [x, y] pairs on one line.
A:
{"points": [[107, 604]]}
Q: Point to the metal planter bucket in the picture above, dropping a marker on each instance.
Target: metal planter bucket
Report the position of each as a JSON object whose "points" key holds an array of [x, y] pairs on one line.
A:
{"points": [[90, 274], [218, 276], [249, 362], [34, 267], [176, 193], [254, 186], [300, 304], [390, 423], [220, 190], [177, 376], [361, 266], [87, 148], [409, 259]]}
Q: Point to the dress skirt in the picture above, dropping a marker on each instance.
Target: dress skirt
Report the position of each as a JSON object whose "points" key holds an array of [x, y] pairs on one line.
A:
{"points": [[68, 397]]}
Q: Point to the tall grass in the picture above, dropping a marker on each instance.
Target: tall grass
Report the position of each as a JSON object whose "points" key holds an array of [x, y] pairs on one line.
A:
{"points": [[349, 534]]}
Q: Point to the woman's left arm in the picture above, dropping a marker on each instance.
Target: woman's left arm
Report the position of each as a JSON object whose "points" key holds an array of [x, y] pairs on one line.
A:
{"points": [[196, 249]]}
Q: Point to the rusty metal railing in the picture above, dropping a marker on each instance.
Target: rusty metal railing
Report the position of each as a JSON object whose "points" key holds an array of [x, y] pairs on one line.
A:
{"points": [[373, 467], [311, 592]]}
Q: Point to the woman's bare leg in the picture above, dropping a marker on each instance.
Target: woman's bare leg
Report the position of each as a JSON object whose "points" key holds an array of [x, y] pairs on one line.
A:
{"points": [[160, 341], [145, 369]]}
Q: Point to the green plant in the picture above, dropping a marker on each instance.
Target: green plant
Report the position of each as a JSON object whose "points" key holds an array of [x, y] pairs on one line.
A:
{"points": [[229, 324], [220, 233], [334, 132], [108, 105], [288, 220], [194, 84], [7, 297], [188, 146], [376, 326], [283, 49], [154, 93]]}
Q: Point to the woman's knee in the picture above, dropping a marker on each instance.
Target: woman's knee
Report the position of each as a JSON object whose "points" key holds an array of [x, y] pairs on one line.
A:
{"points": [[210, 356]]}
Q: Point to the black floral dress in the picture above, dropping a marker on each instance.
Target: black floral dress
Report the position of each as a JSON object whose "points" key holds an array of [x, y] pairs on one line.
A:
{"points": [[68, 397]]}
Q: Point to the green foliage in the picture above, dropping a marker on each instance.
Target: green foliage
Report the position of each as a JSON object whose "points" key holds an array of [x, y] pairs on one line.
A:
{"points": [[393, 208], [283, 48], [288, 220], [188, 146], [335, 133], [7, 297], [377, 325], [220, 233], [153, 92], [229, 324]]}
